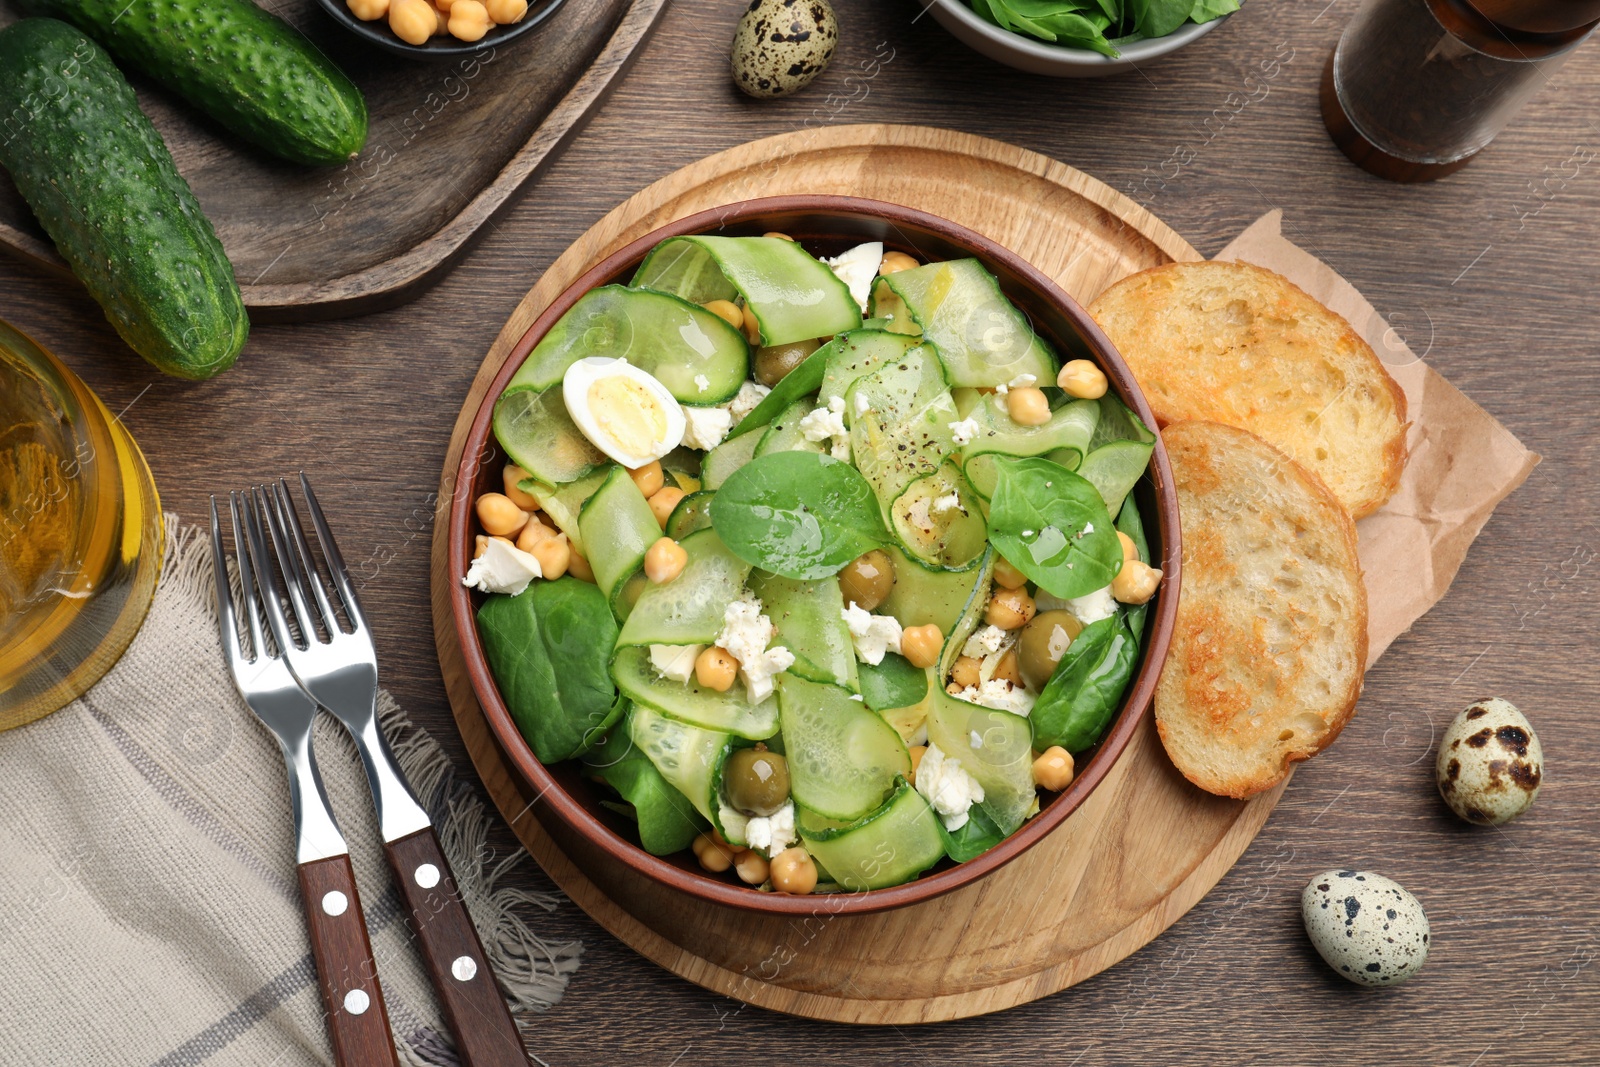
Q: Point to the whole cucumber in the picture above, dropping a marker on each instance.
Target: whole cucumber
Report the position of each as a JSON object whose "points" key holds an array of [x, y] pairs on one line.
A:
{"points": [[102, 183], [246, 68]]}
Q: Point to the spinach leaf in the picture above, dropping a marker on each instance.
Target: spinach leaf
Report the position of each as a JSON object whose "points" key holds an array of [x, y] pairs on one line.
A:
{"points": [[1206, 10], [1052, 526], [667, 821], [892, 684], [1130, 522], [805, 378], [799, 514], [977, 835], [1157, 18], [549, 649], [1084, 692]]}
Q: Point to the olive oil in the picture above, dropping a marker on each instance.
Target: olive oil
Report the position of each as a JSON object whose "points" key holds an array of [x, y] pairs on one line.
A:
{"points": [[80, 534]]}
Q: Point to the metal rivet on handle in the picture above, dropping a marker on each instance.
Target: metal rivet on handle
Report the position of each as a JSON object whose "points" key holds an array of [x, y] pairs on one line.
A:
{"points": [[465, 968], [334, 902], [356, 1001], [427, 876]]}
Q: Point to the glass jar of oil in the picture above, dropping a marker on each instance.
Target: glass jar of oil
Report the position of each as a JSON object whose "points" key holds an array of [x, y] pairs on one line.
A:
{"points": [[80, 534]]}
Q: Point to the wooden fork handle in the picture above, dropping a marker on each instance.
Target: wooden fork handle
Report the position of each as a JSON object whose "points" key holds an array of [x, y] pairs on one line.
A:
{"points": [[474, 1009], [357, 1019]]}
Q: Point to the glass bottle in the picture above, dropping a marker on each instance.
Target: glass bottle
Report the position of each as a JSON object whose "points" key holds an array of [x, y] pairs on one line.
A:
{"points": [[1416, 88], [80, 534]]}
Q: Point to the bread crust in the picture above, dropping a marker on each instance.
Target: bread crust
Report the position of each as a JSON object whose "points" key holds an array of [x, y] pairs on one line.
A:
{"points": [[1269, 646]]}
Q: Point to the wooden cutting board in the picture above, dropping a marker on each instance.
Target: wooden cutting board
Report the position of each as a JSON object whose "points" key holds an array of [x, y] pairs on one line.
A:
{"points": [[1137, 855], [450, 144]]}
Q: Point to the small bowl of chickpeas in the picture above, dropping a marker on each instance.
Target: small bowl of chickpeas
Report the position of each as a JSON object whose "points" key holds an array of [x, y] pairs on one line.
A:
{"points": [[578, 812], [439, 29]]}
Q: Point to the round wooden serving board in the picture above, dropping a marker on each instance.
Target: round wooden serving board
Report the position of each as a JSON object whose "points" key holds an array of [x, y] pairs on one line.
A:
{"points": [[1139, 853]]}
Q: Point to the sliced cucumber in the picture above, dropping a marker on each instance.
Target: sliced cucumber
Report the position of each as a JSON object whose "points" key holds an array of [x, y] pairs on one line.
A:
{"points": [[800, 382], [541, 438], [924, 595], [783, 434], [617, 526], [563, 503], [686, 755], [891, 845], [688, 610], [982, 338], [900, 418], [1001, 760], [1065, 438], [692, 513], [938, 519], [971, 615], [843, 759], [675, 341], [689, 483], [1114, 468], [809, 617], [691, 702], [628, 592], [856, 354], [1118, 423], [793, 296], [726, 458]]}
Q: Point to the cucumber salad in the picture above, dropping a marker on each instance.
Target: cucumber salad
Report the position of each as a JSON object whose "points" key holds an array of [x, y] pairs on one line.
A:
{"points": [[823, 567]]}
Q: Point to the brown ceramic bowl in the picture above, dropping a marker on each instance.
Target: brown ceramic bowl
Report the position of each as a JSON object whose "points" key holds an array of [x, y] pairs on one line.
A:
{"points": [[568, 804]]}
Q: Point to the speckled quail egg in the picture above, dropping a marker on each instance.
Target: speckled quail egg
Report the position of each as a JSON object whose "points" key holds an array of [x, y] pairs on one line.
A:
{"points": [[1490, 763], [1366, 926], [782, 45], [624, 411]]}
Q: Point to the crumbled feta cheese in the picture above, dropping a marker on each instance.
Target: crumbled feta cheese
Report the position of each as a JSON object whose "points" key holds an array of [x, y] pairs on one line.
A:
{"points": [[704, 428], [857, 267], [827, 424], [1092, 607], [1022, 381], [772, 834], [1088, 528], [701, 382], [745, 634], [503, 568], [873, 635], [964, 431], [986, 641], [999, 694], [951, 502], [947, 787], [745, 400], [675, 662]]}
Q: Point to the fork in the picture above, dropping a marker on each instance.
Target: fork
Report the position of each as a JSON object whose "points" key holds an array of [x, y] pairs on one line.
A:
{"points": [[339, 668], [358, 1023]]}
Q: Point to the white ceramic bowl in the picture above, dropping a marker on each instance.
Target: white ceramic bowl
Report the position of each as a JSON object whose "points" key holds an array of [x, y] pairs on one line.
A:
{"points": [[1056, 61]]}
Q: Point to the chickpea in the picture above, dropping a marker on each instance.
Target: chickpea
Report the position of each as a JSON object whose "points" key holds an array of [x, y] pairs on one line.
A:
{"points": [[499, 516], [534, 532], [1010, 609], [1028, 406], [715, 668], [916, 752], [1053, 769], [505, 12], [868, 579], [441, 22], [965, 672], [793, 871], [579, 568], [772, 364], [727, 311], [921, 644], [412, 21], [779, 236], [750, 325], [664, 499], [895, 262], [714, 854], [469, 21], [1129, 549], [1136, 582], [649, 478], [751, 867], [1007, 669], [1082, 379], [480, 545], [554, 555], [1007, 576], [664, 560], [368, 10]]}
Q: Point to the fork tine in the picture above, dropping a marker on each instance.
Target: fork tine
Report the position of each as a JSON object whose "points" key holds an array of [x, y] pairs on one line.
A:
{"points": [[330, 551], [254, 523], [309, 572], [226, 620], [247, 582]]}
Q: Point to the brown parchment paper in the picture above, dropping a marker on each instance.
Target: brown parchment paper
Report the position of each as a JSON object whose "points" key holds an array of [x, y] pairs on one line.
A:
{"points": [[1462, 462]]}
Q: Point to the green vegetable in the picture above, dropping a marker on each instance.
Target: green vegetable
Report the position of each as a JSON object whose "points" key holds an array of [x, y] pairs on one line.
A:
{"points": [[246, 68], [938, 519], [687, 756], [1099, 25], [689, 609], [799, 382], [540, 437], [894, 844], [103, 185], [1118, 452], [859, 353], [843, 759], [618, 527], [924, 594], [798, 514], [1130, 522], [692, 513], [729, 456], [547, 648], [809, 619], [672, 339], [784, 434], [900, 418], [975, 837], [1065, 439], [892, 684], [1002, 762], [1052, 526], [690, 702], [667, 821], [1084, 692]]}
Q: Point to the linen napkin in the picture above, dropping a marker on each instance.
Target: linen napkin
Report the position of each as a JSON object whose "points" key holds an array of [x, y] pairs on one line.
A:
{"points": [[149, 909]]}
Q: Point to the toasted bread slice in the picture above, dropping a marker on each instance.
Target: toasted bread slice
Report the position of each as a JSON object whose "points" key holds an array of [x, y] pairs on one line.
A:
{"points": [[1271, 639], [1238, 344]]}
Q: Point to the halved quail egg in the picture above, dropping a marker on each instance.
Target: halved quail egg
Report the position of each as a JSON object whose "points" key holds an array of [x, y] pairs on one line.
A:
{"points": [[624, 411]]}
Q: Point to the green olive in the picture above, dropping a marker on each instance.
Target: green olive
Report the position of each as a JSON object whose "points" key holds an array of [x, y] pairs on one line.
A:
{"points": [[1044, 641], [868, 579], [773, 364], [757, 781]]}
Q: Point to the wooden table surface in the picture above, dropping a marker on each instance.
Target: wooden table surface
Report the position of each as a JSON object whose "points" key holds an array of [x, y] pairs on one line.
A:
{"points": [[1490, 274]]}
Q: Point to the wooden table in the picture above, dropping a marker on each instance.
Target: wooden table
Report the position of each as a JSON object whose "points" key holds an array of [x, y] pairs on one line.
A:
{"points": [[1490, 274]]}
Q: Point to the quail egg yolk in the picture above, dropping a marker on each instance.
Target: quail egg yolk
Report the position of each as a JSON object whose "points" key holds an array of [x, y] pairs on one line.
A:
{"points": [[628, 413]]}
